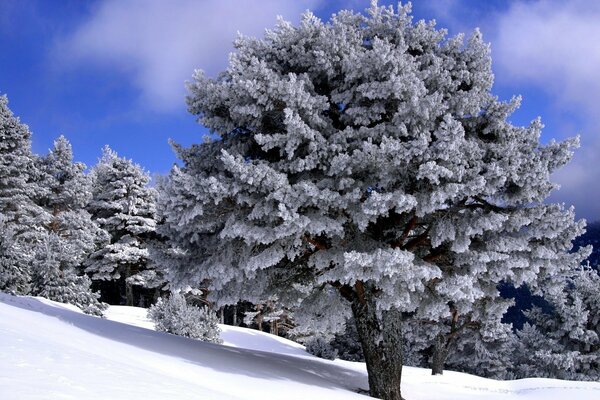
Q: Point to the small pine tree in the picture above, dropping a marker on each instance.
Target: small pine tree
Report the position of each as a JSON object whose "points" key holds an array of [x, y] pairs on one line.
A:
{"points": [[69, 235], [321, 347], [564, 342], [347, 343], [173, 315], [124, 206], [485, 348], [436, 340]]}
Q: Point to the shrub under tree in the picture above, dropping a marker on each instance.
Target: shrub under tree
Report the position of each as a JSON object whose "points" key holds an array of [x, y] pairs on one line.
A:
{"points": [[347, 343], [174, 315], [363, 165]]}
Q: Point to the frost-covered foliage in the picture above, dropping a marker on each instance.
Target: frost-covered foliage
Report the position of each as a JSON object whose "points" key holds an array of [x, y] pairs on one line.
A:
{"points": [[591, 237], [365, 158], [21, 217], [486, 345], [174, 315], [69, 235], [54, 280], [14, 272], [278, 319], [564, 343], [321, 347], [476, 342], [347, 343], [65, 195], [124, 206]]}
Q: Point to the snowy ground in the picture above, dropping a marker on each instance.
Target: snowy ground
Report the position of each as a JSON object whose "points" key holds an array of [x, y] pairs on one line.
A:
{"points": [[53, 351]]}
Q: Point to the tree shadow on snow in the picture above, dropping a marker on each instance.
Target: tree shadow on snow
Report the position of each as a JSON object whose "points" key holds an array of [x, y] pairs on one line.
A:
{"points": [[253, 363]]}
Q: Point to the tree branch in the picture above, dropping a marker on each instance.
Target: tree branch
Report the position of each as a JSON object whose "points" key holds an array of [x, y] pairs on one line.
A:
{"points": [[360, 291], [407, 230], [417, 241], [346, 291], [319, 245]]}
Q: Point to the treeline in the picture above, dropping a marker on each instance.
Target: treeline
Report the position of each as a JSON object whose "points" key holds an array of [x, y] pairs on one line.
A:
{"points": [[74, 236]]}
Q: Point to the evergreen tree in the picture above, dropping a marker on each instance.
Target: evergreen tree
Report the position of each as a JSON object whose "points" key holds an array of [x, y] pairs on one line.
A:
{"points": [[52, 279], [124, 206], [14, 271], [431, 339], [485, 346], [22, 219], [67, 194], [363, 165], [71, 234], [347, 343], [564, 343], [321, 347]]}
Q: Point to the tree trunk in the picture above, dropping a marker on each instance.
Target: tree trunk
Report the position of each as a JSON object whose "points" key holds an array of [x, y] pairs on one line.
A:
{"points": [[235, 322], [380, 334], [128, 287], [274, 330], [442, 344], [129, 294], [440, 353]]}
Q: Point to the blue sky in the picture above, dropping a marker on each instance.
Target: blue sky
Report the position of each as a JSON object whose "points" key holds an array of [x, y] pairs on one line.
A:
{"points": [[113, 71]]}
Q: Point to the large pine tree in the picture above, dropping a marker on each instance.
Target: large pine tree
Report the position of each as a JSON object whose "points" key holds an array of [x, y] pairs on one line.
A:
{"points": [[124, 206], [363, 167]]}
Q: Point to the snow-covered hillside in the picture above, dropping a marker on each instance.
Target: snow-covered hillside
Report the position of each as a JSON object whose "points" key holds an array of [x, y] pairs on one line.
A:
{"points": [[53, 351]]}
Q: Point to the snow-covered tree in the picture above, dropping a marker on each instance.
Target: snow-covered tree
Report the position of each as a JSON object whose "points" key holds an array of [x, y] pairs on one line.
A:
{"points": [[564, 342], [364, 168], [484, 345], [54, 280], [14, 266], [124, 206], [430, 341], [67, 193], [71, 235], [347, 343], [174, 315], [321, 347], [21, 217]]}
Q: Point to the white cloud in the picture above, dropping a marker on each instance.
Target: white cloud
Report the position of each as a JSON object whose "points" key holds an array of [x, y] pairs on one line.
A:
{"points": [[555, 46], [160, 43]]}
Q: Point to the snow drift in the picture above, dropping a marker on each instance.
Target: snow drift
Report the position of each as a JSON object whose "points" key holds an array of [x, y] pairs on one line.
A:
{"points": [[53, 351]]}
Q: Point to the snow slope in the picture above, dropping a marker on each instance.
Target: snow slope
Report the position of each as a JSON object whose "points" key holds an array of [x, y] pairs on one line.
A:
{"points": [[53, 351], [232, 336]]}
